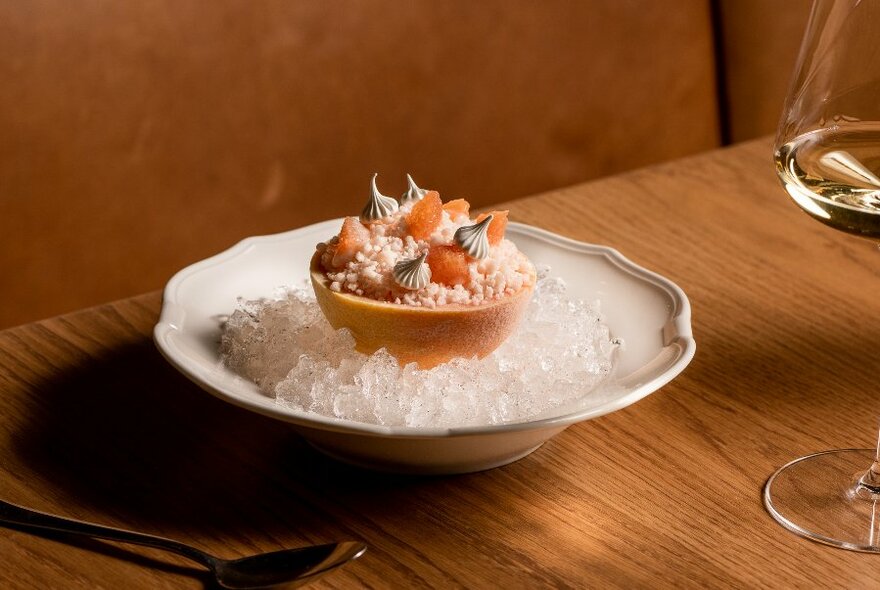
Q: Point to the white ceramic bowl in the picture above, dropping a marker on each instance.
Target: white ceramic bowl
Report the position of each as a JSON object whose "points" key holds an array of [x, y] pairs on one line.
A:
{"points": [[650, 313]]}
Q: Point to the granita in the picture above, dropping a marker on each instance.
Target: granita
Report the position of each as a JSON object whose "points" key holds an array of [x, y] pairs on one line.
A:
{"points": [[421, 279], [362, 257]]}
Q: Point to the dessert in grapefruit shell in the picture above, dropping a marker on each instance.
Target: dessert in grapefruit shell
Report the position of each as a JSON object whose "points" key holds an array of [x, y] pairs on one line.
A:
{"points": [[422, 280]]}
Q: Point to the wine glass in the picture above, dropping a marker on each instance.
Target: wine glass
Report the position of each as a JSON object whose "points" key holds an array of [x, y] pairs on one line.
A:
{"points": [[828, 158]]}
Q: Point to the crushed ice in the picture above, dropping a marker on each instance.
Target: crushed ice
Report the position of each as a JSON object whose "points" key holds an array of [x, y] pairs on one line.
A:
{"points": [[559, 354]]}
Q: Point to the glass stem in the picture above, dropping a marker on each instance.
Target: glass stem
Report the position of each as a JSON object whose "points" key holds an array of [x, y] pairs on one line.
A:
{"points": [[870, 480]]}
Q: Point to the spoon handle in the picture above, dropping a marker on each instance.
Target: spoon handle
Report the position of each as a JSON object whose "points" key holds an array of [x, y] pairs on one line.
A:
{"points": [[13, 514]]}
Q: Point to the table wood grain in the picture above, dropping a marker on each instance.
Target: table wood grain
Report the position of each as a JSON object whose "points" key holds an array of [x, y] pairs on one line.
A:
{"points": [[95, 425]]}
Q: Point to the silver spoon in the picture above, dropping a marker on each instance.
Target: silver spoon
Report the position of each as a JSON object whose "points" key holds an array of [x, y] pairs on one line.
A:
{"points": [[288, 566]]}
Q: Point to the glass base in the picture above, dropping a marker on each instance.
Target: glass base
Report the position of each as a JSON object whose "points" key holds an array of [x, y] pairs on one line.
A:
{"points": [[819, 497]]}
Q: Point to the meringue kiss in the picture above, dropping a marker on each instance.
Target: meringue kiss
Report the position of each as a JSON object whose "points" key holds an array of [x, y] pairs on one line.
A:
{"points": [[379, 205], [474, 239], [412, 273]]}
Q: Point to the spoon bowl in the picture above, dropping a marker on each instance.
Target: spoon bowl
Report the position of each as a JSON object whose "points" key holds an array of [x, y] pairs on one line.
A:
{"points": [[266, 570]]}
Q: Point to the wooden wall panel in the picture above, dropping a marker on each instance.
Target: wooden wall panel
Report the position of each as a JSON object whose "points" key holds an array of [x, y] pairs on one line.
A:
{"points": [[760, 42], [137, 137]]}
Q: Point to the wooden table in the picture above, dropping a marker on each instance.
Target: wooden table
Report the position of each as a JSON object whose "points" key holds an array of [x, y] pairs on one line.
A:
{"points": [[97, 426]]}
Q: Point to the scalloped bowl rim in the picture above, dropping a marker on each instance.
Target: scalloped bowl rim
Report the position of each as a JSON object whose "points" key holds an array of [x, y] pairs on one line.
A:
{"points": [[172, 314]]}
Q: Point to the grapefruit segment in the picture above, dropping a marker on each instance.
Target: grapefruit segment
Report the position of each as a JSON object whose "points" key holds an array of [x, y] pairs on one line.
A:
{"points": [[457, 208], [352, 238], [448, 265], [496, 227], [425, 216]]}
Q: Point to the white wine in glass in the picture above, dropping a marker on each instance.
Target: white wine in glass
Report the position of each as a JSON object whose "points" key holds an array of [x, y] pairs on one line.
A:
{"points": [[828, 158], [829, 174]]}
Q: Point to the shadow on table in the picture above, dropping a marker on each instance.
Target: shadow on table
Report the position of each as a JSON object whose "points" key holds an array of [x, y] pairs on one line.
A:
{"points": [[122, 552], [126, 436]]}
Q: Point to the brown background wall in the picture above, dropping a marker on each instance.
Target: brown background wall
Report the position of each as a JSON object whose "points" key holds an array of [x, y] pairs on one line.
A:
{"points": [[759, 40], [136, 138]]}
